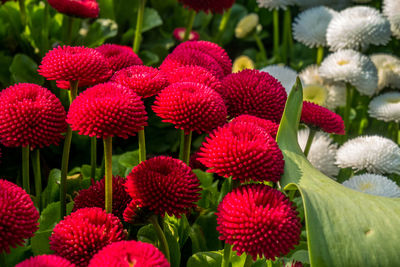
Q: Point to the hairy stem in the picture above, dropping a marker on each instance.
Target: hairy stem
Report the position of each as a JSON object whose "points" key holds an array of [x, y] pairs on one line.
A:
{"points": [[25, 169], [161, 237], [142, 145], [275, 18], [186, 142], [222, 26], [139, 26], [93, 156], [260, 46], [309, 142], [38, 177], [227, 255], [189, 26], [108, 173]]}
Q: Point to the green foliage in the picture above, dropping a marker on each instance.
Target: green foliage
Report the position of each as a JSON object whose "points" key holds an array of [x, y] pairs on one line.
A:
{"points": [[24, 70]]}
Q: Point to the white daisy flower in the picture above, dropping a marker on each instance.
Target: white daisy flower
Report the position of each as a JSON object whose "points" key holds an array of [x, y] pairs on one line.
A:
{"points": [[362, 1], [309, 27], [352, 67], [385, 107], [388, 70], [373, 184], [375, 154], [357, 27], [335, 4], [322, 154], [391, 9], [275, 4], [246, 25], [285, 75]]}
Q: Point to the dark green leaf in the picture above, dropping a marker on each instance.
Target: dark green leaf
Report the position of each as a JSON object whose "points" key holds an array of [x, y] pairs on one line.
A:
{"points": [[151, 19], [202, 259], [24, 70]]}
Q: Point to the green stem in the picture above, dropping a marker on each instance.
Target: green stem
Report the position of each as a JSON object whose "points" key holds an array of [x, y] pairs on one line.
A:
{"points": [[45, 30], [249, 261], [108, 174], [320, 54], [346, 119], [309, 142], [287, 35], [189, 26], [70, 23], [142, 146], [395, 131], [22, 11], [227, 255], [25, 169], [93, 156], [38, 177], [260, 46], [275, 18], [186, 143], [161, 237], [222, 25], [139, 26]]}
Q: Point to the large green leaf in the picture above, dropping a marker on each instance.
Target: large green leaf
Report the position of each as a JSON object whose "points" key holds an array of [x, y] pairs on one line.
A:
{"points": [[344, 227]]}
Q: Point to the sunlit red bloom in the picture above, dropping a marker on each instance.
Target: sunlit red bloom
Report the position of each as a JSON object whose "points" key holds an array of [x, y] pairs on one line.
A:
{"points": [[30, 115], [94, 196], [145, 81], [255, 93], [191, 107], [75, 63], [258, 220], [85, 232], [244, 151], [269, 126], [320, 117], [18, 216], [164, 185], [128, 254], [45, 261], [107, 110], [179, 34], [119, 56], [77, 8], [208, 5]]}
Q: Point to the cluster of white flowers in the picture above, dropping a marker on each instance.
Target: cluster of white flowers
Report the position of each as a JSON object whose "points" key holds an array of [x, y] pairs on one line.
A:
{"points": [[373, 184], [275, 4], [391, 9], [385, 107], [388, 70]]}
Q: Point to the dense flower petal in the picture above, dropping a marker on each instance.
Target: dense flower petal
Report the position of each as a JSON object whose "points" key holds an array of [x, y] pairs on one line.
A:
{"points": [[208, 5], [320, 117], [45, 261], [78, 8], [119, 56]]}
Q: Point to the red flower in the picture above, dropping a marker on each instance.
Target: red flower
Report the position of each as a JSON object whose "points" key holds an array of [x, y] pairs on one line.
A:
{"points": [[85, 232], [107, 110], [145, 81], [194, 162], [45, 261], [163, 185], [255, 93], [94, 196], [320, 117], [75, 63], [190, 107], [18, 216], [244, 151], [269, 126], [30, 115], [258, 220], [119, 56], [179, 34], [129, 253], [77, 8], [208, 5]]}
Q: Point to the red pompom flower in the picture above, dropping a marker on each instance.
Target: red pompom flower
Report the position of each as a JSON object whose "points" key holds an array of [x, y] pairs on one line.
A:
{"points": [[107, 110], [258, 220], [269, 126], [119, 56], [85, 232], [179, 34], [18, 216], [30, 115], [77, 8], [320, 117], [244, 151], [214, 6], [128, 254], [191, 107], [45, 261]]}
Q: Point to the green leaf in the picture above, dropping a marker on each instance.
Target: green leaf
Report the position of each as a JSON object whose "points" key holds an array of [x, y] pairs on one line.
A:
{"points": [[209, 259], [129, 159], [17, 255], [24, 70], [52, 191], [98, 32], [4, 69], [151, 19], [344, 227]]}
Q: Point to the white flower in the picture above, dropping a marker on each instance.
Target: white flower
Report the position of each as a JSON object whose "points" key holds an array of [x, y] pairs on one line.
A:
{"points": [[352, 67], [322, 154], [246, 25], [336, 4], [375, 154], [310, 26], [285, 75], [385, 107], [391, 9], [275, 4], [373, 184], [388, 70], [357, 27]]}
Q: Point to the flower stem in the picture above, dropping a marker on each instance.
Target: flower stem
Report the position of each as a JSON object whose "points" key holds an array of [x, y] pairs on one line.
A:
{"points": [[186, 140], [108, 173], [70, 23], [275, 17], [22, 11], [222, 25], [142, 145], [309, 142], [93, 156], [320, 54], [38, 177], [161, 237], [346, 119], [287, 35], [395, 131], [227, 255], [249, 261], [189, 26], [260, 46], [45, 30], [139, 26], [25, 169]]}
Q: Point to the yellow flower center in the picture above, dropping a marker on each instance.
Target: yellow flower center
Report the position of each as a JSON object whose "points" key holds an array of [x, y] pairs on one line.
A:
{"points": [[343, 62], [242, 63], [366, 186], [394, 100], [315, 93]]}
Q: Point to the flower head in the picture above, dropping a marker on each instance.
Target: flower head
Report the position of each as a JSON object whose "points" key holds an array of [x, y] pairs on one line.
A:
{"points": [[352, 67], [244, 151], [247, 25], [373, 184], [145, 81], [191, 107], [45, 261], [179, 34], [107, 110], [30, 115], [163, 185], [208, 5], [335, 4], [385, 107], [391, 9], [275, 4], [128, 254], [285, 75], [85, 232], [258, 220], [269, 126], [357, 27], [119, 56], [77, 8], [255, 93], [374, 153], [388, 70], [242, 63], [18, 216]]}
